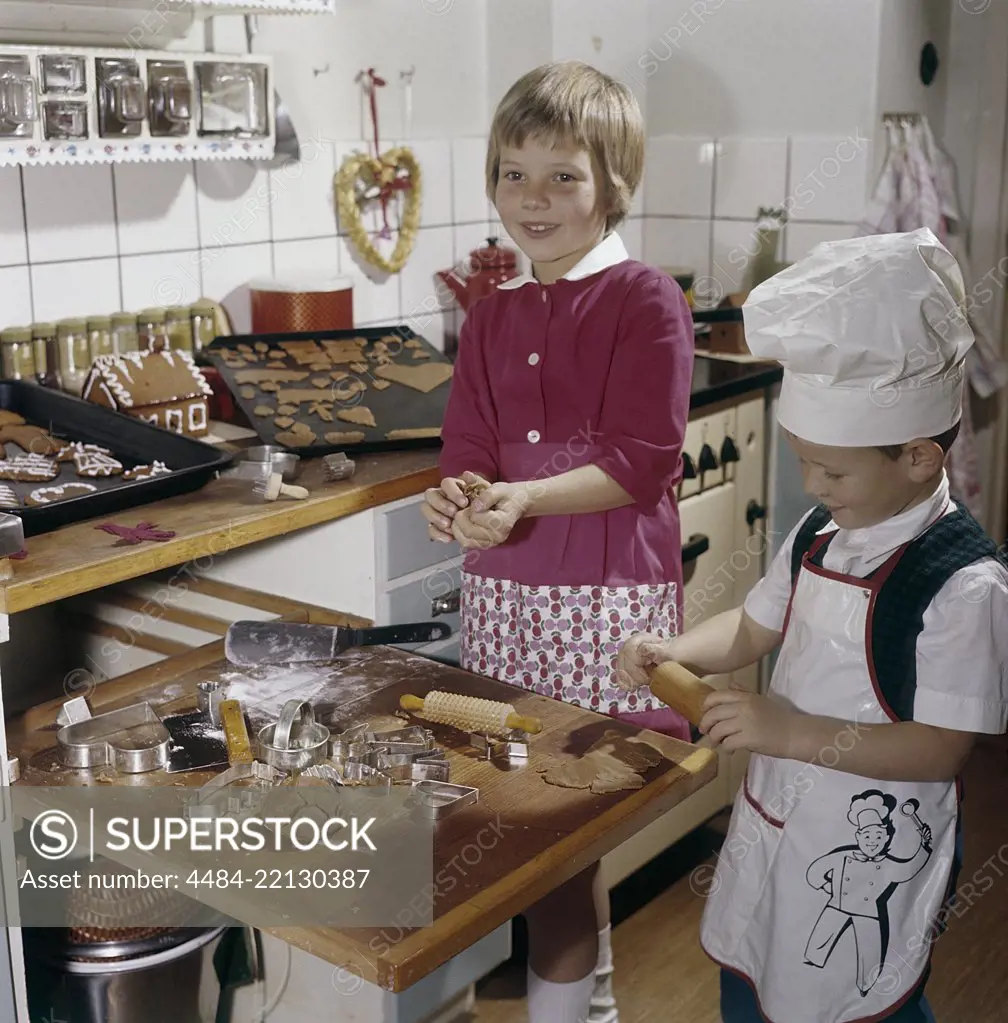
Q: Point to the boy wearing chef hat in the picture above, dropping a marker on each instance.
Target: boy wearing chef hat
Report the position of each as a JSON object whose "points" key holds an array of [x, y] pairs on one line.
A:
{"points": [[890, 607]]}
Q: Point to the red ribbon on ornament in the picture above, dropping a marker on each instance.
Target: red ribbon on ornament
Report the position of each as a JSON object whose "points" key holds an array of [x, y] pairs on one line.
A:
{"points": [[373, 82]]}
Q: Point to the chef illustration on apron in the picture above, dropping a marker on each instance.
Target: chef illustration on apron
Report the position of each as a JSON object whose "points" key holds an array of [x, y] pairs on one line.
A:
{"points": [[829, 885]]}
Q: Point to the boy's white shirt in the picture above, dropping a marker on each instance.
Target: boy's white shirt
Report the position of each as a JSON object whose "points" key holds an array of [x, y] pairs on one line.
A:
{"points": [[962, 651]]}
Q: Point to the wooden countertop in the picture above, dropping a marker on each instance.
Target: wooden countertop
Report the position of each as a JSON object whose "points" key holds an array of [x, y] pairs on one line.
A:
{"points": [[546, 834], [218, 518]]}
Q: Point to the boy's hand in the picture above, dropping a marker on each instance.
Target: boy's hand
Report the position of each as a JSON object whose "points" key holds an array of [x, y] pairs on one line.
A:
{"points": [[736, 719], [638, 657], [441, 504]]}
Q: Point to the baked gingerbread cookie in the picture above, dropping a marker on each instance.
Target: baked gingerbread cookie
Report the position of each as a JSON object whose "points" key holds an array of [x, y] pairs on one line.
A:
{"points": [[146, 472], [8, 499], [28, 468], [47, 495], [32, 439]]}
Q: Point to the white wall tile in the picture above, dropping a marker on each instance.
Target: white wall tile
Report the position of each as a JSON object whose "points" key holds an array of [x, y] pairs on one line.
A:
{"points": [[432, 327], [313, 257], [749, 173], [161, 279], [469, 180], [495, 229], [234, 203], [15, 291], [302, 194], [679, 176], [156, 207], [83, 287], [632, 233], [420, 291], [70, 213], [374, 302], [473, 236], [435, 159], [733, 249], [678, 243], [800, 239], [13, 241], [226, 274], [828, 179]]}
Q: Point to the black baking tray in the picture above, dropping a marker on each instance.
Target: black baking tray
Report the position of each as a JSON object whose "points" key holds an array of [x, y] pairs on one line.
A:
{"points": [[131, 441], [395, 408]]}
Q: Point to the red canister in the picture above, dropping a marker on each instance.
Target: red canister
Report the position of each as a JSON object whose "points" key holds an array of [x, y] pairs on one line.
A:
{"points": [[301, 304]]}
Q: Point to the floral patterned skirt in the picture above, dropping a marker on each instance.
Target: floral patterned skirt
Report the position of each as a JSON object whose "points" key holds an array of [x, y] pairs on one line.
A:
{"points": [[562, 641]]}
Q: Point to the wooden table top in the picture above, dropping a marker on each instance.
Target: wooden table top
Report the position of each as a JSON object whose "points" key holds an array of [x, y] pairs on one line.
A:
{"points": [[220, 517], [547, 834]]}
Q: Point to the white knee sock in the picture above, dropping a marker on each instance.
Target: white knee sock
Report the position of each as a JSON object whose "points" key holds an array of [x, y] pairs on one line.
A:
{"points": [[550, 1002], [603, 1005]]}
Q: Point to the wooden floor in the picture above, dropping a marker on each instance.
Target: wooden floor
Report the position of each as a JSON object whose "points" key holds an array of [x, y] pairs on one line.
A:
{"points": [[662, 976]]}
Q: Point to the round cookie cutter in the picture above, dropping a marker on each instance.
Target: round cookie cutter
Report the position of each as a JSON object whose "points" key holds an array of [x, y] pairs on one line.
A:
{"points": [[296, 741]]}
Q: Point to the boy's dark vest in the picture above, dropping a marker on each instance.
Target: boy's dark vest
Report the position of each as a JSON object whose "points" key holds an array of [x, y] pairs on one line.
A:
{"points": [[953, 542]]}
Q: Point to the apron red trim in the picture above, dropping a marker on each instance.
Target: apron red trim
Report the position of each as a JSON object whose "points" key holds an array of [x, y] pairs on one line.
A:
{"points": [[751, 800], [877, 1018]]}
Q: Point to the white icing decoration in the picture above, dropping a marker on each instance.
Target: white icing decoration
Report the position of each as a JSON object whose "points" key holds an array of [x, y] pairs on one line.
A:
{"points": [[32, 466], [173, 419], [115, 371], [146, 472], [200, 407], [90, 460], [46, 494], [8, 499]]}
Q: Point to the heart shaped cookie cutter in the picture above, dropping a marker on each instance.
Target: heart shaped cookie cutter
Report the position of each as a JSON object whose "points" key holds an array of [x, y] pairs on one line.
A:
{"points": [[132, 740]]}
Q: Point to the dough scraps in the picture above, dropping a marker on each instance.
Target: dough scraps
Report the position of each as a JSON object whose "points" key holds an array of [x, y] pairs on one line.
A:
{"points": [[320, 381], [339, 374], [301, 435], [248, 393], [359, 367], [46, 495], [8, 418], [361, 415], [413, 343], [245, 348], [286, 410], [321, 411], [347, 390], [257, 376], [415, 434], [303, 352], [294, 396], [609, 765], [320, 367], [263, 410], [570, 774], [421, 378], [420, 354], [635, 753], [380, 385], [261, 346], [269, 387], [284, 422], [344, 437]]}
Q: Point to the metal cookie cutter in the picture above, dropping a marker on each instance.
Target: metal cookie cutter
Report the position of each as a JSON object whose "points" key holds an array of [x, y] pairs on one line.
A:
{"points": [[209, 696], [437, 800], [415, 735], [73, 711], [348, 743], [415, 769], [287, 748], [131, 740], [512, 751], [356, 773], [204, 803]]}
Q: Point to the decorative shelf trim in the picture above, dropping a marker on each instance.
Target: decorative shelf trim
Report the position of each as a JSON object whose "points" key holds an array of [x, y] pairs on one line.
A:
{"points": [[32, 154], [272, 6]]}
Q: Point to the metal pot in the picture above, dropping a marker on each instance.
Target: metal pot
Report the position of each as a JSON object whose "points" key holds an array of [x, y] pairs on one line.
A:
{"points": [[155, 978]]}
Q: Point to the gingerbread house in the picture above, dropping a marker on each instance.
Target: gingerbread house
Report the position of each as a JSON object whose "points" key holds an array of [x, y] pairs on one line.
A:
{"points": [[164, 388]]}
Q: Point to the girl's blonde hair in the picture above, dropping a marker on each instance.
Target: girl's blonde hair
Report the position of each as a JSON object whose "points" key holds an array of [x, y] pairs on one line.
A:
{"points": [[571, 103]]}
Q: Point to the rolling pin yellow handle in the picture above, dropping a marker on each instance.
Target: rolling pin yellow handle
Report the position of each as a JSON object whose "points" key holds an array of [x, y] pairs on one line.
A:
{"points": [[532, 726], [411, 702], [680, 689]]}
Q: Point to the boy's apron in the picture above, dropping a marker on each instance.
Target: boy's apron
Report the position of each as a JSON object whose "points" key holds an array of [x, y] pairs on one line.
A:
{"points": [[829, 885]]}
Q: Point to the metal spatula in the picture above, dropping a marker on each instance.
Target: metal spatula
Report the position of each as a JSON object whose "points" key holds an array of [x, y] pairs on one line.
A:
{"points": [[250, 643]]}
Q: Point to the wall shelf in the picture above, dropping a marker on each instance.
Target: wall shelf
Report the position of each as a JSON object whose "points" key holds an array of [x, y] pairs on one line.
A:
{"points": [[204, 7]]}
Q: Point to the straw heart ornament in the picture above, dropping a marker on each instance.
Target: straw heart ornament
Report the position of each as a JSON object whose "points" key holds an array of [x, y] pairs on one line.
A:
{"points": [[364, 180]]}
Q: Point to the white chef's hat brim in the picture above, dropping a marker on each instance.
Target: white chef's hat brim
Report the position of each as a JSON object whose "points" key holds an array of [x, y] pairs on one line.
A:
{"points": [[884, 414]]}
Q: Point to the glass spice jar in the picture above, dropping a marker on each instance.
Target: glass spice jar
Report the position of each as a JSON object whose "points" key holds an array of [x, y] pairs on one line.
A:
{"points": [[74, 354], [152, 332], [100, 336], [203, 316], [124, 333], [46, 349], [17, 354], [179, 328]]}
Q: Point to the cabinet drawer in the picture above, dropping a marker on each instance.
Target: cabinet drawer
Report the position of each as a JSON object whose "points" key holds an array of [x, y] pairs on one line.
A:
{"points": [[402, 533], [411, 602]]}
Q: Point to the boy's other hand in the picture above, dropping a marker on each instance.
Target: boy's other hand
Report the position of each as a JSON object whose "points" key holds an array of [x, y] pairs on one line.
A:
{"points": [[737, 719], [638, 657]]}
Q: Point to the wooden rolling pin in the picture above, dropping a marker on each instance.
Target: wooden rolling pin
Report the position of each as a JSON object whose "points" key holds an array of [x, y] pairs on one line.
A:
{"points": [[680, 689]]}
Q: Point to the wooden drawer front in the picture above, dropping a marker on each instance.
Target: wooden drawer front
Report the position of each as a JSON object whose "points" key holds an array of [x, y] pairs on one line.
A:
{"points": [[411, 602], [408, 548]]}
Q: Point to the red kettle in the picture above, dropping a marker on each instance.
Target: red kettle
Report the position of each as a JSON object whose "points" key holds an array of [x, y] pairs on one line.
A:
{"points": [[486, 268]]}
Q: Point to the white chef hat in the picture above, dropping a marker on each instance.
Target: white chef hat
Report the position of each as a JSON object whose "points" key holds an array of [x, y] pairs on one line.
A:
{"points": [[872, 335]]}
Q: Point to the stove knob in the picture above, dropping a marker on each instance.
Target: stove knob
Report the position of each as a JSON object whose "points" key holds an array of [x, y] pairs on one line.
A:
{"points": [[729, 451], [688, 468], [708, 460]]}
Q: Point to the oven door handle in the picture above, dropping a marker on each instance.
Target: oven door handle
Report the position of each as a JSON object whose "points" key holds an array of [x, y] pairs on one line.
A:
{"points": [[446, 605], [698, 543]]}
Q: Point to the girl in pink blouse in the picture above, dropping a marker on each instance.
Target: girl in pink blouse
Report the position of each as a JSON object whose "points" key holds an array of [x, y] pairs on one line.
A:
{"points": [[570, 399]]}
